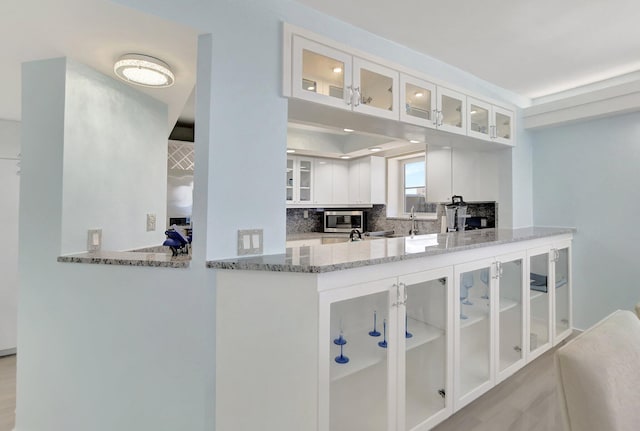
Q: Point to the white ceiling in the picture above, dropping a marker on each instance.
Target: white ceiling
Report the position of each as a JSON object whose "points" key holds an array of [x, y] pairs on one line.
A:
{"points": [[96, 33], [533, 48]]}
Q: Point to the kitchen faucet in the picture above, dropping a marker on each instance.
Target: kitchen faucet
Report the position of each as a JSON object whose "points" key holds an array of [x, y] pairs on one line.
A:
{"points": [[414, 226]]}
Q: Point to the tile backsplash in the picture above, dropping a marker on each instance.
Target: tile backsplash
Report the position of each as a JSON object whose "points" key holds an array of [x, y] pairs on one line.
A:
{"points": [[377, 219]]}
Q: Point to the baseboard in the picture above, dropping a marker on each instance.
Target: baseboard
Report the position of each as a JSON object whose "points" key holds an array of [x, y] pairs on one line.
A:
{"points": [[8, 352]]}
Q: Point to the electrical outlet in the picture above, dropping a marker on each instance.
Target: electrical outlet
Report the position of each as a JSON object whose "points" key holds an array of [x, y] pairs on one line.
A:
{"points": [[249, 241], [94, 239], [151, 222], [305, 214]]}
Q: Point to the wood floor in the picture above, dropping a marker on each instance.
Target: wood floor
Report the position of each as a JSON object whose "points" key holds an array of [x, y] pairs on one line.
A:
{"points": [[524, 402], [7, 392]]}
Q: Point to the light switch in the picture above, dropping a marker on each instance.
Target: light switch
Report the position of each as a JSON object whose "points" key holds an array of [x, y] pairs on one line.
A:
{"points": [[249, 241], [94, 239], [151, 222]]}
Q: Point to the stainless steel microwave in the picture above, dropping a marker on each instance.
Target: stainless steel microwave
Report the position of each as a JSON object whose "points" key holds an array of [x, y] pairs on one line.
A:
{"points": [[344, 221]]}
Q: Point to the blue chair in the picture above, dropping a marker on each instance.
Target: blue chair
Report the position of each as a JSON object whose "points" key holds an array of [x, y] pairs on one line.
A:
{"points": [[177, 241]]}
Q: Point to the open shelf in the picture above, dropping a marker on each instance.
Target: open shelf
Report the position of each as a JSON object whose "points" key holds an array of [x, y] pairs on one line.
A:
{"points": [[363, 350]]}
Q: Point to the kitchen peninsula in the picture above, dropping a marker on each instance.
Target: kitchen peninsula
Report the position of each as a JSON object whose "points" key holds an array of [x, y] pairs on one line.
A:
{"points": [[402, 331]]}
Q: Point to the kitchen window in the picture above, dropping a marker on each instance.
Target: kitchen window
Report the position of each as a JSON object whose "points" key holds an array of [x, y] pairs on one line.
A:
{"points": [[414, 188]]}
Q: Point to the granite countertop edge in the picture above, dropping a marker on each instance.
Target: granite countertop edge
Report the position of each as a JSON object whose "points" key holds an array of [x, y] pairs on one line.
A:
{"points": [[87, 258], [258, 263]]}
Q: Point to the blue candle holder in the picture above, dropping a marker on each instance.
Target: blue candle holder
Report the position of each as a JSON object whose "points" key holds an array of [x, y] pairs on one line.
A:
{"points": [[340, 341], [383, 343], [374, 333], [342, 359], [407, 334]]}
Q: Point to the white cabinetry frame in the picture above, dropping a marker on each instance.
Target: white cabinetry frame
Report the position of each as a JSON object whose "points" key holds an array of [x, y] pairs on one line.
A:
{"points": [[279, 329], [323, 71]]}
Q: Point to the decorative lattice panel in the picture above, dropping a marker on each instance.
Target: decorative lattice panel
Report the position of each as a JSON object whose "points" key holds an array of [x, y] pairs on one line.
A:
{"points": [[181, 155]]}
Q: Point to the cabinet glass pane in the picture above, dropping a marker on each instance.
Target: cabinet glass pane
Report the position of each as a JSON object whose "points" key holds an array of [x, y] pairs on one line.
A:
{"points": [[322, 74], [539, 304], [510, 289], [418, 101], [305, 180], [562, 291], [376, 90], [451, 111], [503, 126], [358, 388], [479, 118], [289, 179], [475, 329], [426, 350]]}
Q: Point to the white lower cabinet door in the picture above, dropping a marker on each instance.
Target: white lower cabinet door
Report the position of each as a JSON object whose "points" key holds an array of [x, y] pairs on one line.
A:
{"points": [[539, 302], [425, 378], [358, 347], [562, 299], [510, 327], [474, 346]]}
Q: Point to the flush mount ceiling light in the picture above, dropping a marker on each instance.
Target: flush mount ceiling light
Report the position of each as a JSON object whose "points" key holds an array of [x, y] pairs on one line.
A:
{"points": [[375, 149], [291, 151], [414, 141], [144, 70], [345, 157], [348, 130]]}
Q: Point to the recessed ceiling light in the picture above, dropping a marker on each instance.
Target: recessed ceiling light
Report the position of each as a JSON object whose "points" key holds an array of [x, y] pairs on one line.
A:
{"points": [[144, 70], [413, 141], [375, 149], [345, 157], [418, 94], [337, 69], [291, 151], [348, 130]]}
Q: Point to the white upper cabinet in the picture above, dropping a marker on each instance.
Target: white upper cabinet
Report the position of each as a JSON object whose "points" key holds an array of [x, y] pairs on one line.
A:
{"points": [[299, 180], [321, 74], [418, 100], [375, 89], [326, 72], [330, 180], [332, 77], [452, 112], [489, 122], [367, 180]]}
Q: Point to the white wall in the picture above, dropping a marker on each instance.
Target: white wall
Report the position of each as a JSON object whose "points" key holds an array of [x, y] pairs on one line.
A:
{"points": [[9, 197], [585, 175], [115, 158]]}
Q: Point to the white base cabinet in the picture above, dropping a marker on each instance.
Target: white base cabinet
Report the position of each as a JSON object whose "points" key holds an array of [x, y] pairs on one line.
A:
{"points": [[455, 325]]}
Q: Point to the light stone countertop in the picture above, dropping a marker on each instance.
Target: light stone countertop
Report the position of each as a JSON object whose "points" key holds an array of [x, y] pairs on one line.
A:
{"points": [[345, 255], [129, 258]]}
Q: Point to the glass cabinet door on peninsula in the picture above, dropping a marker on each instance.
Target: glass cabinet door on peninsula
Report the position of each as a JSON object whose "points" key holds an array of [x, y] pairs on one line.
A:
{"points": [[539, 309], [510, 327], [474, 353], [384, 352], [562, 294]]}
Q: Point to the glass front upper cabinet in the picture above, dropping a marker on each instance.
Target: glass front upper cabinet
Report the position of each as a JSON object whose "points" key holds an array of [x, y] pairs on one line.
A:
{"points": [[539, 303], [321, 74], [452, 111], [503, 125], [418, 101], [289, 178], [563, 293], [375, 89], [479, 125]]}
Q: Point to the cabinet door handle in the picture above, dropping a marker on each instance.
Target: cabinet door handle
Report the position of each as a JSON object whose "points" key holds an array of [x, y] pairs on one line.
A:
{"points": [[395, 304], [405, 294], [349, 99], [434, 117], [358, 96]]}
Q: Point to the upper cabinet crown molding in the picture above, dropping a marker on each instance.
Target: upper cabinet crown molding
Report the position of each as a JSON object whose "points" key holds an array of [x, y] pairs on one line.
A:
{"points": [[614, 100], [326, 72]]}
